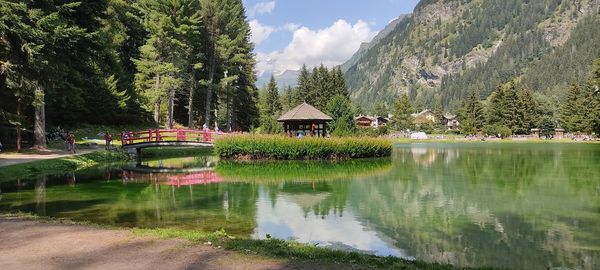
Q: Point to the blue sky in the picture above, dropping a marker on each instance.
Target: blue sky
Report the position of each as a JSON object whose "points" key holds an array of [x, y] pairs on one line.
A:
{"points": [[288, 33]]}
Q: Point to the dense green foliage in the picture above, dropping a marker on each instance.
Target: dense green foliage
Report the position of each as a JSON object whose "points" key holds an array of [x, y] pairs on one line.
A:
{"points": [[513, 109], [316, 87], [402, 110], [270, 109], [472, 114], [118, 61], [581, 110], [340, 109], [284, 148]]}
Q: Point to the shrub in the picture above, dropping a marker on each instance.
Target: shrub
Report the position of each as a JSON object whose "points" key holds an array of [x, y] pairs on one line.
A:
{"points": [[273, 147], [498, 130]]}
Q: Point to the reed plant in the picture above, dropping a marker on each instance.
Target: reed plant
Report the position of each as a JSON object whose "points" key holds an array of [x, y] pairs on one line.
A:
{"points": [[274, 147]]}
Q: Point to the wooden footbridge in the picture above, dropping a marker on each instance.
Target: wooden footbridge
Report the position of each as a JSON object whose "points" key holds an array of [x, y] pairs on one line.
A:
{"points": [[167, 138]]}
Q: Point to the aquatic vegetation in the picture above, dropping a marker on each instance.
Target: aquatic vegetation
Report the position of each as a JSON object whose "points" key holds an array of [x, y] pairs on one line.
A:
{"points": [[300, 171], [272, 147]]}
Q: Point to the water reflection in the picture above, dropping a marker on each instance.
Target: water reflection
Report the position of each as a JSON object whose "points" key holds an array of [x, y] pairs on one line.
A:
{"points": [[515, 206], [287, 218]]}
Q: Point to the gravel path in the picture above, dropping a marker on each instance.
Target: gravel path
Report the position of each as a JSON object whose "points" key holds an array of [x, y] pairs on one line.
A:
{"points": [[7, 159], [26, 244]]}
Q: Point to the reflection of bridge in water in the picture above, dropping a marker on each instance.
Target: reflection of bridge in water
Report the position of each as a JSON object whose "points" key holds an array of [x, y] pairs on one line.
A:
{"points": [[171, 176]]}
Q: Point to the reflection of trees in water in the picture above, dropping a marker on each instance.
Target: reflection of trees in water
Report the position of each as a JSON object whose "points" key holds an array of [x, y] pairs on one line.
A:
{"points": [[40, 195], [203, 207], [509, 207], [320, 198]]}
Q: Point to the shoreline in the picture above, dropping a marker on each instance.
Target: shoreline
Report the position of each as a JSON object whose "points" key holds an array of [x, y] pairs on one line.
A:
{"points": [[57, 165], [495, 141], [194, 245]]}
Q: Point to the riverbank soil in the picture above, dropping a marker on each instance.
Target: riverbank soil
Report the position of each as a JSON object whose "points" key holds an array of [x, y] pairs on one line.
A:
{"points": [[13, 158], [29, 244]]}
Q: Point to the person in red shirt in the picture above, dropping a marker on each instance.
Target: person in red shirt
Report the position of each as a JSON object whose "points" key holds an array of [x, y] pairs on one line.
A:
{"points": [[107, 139]]}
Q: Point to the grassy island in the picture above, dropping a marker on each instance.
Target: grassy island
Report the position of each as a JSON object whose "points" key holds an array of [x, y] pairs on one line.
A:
{"points": [[264, 147]]}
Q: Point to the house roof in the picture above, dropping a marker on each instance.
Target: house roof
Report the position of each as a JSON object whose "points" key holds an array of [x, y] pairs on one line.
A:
{"points": [[421, 113], [449, 116], [304, 112]]}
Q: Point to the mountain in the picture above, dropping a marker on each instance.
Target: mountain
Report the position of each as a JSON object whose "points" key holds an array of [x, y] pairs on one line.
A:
{"points": [[285, 79], [365, 46], [446, 47]]}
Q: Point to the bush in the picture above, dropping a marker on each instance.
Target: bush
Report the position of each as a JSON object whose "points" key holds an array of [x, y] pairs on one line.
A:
{"points": [[498, 130], [273, 147], [373, 132]]}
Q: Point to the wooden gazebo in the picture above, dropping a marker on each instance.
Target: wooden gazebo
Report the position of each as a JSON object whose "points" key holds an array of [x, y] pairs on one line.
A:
{"points": [[306, 119]]}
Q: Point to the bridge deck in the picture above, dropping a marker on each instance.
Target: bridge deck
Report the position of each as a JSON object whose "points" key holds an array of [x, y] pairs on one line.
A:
{"points": [[141, 145], [168, 138]]}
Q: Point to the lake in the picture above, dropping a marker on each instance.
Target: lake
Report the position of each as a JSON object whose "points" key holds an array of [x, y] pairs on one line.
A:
{"points": [[523, 206]]}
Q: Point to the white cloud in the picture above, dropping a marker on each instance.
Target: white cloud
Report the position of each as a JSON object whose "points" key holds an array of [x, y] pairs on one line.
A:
{"points": [[291, 27], [262, 8], [330, 46], [259, 32]]}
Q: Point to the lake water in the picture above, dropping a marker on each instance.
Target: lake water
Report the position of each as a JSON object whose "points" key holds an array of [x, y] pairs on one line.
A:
{"points": [[524, 206]]}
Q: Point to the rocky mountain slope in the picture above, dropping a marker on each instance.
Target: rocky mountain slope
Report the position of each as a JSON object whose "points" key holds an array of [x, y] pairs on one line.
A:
{"points": [[446, 47]]}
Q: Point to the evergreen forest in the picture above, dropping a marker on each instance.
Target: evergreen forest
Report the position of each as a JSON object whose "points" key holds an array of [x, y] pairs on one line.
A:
{"points": [[176, 62]]}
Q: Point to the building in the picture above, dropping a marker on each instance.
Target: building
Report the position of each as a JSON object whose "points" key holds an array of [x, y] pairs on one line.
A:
{"points": [[366, 121], [451, 122], [305, 119], [424, 117]]}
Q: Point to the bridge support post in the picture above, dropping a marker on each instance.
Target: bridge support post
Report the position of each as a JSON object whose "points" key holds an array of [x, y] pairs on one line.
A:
{"points": [[134, 153]]}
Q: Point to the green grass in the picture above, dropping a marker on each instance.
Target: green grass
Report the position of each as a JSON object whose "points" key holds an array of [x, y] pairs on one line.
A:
{"points": [[60, 165], [277, 248], [274, 147]]}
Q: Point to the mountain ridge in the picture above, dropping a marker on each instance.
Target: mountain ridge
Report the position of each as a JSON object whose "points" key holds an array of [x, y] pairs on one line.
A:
{"points": [[433, 52]]}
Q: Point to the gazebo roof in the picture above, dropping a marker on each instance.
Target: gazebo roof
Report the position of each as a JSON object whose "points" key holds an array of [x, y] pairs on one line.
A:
{"points": [[304, 112]]}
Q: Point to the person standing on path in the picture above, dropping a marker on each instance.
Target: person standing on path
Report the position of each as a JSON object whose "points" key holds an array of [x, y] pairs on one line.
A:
{"points": [[107, 139], [71, 143]]}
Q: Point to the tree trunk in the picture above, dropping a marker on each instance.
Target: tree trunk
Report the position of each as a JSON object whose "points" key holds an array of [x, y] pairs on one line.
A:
{"points": [[170, 108], [18, 126], [39, 124], [229, 109], [157, 102], [157, 113], [211, 77], [191, 106]]}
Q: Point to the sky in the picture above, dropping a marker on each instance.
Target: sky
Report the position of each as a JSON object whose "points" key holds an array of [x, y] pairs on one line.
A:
{"points": [[289, 33]]}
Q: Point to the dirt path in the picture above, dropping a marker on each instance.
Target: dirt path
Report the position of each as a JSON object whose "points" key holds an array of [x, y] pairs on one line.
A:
{"points": [[7, 159], [26, 244]]}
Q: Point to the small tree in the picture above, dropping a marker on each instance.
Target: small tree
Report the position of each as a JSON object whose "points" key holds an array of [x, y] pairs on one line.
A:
{"points": [[340, 109], [270, 108], [472, 113], [402, 118]]}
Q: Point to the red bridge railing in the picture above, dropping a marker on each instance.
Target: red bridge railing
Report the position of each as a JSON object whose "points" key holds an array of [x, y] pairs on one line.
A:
{"points": [[169, 135]]}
